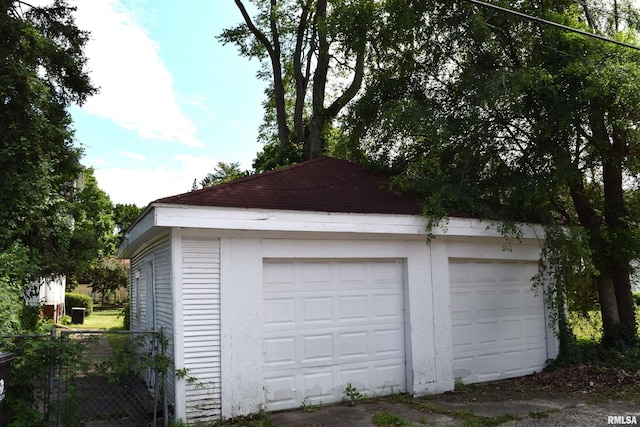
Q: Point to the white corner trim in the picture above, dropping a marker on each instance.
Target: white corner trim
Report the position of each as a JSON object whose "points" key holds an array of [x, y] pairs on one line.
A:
{"points": [[178, 322]]}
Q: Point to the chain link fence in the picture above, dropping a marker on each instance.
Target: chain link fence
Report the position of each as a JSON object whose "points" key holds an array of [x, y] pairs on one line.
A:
{"points": [[86, 378]]}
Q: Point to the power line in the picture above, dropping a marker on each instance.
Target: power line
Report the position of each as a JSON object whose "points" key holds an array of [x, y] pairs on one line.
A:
{"points": [[551, 23]]}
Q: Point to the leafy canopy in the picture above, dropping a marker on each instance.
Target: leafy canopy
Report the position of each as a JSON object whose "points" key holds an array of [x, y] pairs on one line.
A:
{"points": [[494, 116], [42, 72]]}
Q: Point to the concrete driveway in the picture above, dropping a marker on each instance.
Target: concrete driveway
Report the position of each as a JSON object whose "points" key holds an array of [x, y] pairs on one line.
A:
{"points": [[432, 412]]}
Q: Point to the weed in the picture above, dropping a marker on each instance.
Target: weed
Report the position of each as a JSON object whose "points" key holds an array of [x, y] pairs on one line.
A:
{"points": [[307, 406], [402, 398], [353, 394], [383, 419], [258, 419], [459, 385], [177, 423], [542, 414], [183, 374]]}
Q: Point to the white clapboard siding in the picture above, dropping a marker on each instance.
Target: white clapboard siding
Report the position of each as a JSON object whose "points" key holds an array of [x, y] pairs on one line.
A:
{"points": [[201, 299], [159, 256]]}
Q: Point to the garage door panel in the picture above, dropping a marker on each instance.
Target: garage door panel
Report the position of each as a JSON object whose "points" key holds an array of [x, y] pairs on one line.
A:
{"points": [[387, 376], [509, 301], [387, 307], [513, 361], [499, 326], [318, 385], [317, 309], [486, 303], [536, 358], [536, 329], [461, 303], [315, 273], [347, 327], [354, 344], [387, 272], [487, 332], [352, 273], [353, 307], [280, 312], [280, 351], [281, 389], [512, 330], [483, 272], [279, 274], [389, 342], [317, 348]]}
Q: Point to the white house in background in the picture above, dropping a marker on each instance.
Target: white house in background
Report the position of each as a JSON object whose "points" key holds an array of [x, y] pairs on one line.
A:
{"points": [[285, 287], [49, 293]]}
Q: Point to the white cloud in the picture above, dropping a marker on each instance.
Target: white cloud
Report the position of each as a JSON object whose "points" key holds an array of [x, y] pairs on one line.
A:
{"points": [[198, 101], [136, 89], [142, 186], [134, 156]]}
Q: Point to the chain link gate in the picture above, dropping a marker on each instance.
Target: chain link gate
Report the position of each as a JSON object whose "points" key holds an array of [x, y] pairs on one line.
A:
{"points": [[88, 378]]}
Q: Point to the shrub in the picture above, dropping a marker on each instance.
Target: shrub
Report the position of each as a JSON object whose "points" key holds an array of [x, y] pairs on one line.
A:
{"points": [[72, 299], [126, 314], [636, 298]]}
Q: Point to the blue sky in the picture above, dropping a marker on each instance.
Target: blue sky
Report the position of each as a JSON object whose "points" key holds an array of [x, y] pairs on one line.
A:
{"points": [[173, 100]]}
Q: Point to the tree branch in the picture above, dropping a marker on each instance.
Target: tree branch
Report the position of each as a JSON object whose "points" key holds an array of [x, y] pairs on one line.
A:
{"points": [[353, 88], [274, 55], [301, 79]]}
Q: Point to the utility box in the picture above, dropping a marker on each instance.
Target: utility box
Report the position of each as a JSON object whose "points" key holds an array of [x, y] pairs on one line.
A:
{"points": [[77, 315], [6, 359]]}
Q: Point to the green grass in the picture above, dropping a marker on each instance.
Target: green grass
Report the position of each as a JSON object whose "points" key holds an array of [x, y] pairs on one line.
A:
{"points": [[102, 320], [589, 327]]}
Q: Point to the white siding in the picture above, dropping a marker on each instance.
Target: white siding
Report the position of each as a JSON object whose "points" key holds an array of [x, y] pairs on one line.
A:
{"points": [[159, 255], [201, 305]]}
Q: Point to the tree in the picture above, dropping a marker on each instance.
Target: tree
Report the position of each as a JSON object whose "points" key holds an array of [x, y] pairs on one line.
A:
{"points": [[124, 215], [107, 275], [495, 116], [224, 172], [93, 230], [41, 73], [313, 54]]}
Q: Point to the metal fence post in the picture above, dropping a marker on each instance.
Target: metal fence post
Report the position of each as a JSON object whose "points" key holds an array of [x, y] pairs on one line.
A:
{"points": [[165, 399], [52, 375]]}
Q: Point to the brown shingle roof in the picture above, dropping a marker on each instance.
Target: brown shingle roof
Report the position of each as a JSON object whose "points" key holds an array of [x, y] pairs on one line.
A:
{"points": [[324, 184]]}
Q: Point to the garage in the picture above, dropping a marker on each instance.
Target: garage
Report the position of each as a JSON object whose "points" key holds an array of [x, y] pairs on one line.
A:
{"points": [[498, 322], [330, 323], [319, 277]]}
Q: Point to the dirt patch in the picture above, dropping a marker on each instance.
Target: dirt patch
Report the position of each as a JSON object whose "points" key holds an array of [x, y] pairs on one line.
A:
{"points": [[577, 382]]}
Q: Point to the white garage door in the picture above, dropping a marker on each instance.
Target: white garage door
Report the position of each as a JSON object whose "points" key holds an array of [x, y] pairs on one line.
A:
{"points": [[331, 323], [499, 326]]}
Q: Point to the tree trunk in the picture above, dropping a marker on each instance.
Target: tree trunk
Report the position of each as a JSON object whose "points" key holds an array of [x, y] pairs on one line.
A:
{"points": [[314, 141], [611, 325], [624, 298], [302, 76], [274, 50], [612, 147]]}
